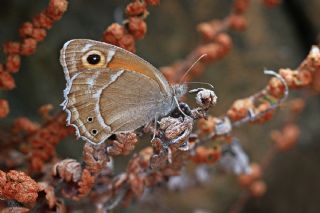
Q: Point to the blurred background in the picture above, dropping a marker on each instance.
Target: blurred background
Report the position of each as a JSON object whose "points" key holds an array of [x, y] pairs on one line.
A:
{"points": [[275, 38]]}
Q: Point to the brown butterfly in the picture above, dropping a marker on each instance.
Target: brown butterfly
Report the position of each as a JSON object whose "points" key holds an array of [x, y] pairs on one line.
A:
{"points": [[110, 90]]}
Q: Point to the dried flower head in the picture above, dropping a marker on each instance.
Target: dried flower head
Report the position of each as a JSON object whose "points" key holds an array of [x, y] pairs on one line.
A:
{"points": [[136, 8], [206, 155], [276, 88], [11, 48], [137, 27], [15, 209], [287, 137], [18, 186], [255, 173], [240, 6], [258, 188], [207, 125], [272, 3], [4, 108], [240, 109], [6, 81], [28, 46]]}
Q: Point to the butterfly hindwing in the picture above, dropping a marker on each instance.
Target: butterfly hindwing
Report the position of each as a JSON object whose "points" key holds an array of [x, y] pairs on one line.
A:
{"points": [[82, 97], [132, 101]]}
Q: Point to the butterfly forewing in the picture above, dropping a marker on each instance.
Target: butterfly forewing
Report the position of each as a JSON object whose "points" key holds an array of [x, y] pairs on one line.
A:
{"points": [[116, 58]]}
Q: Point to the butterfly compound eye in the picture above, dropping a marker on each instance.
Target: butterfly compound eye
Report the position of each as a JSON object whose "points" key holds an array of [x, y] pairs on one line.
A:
{"points": [[93, 59]]}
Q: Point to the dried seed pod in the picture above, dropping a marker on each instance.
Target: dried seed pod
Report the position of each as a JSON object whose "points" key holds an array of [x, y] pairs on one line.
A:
{"points": [[95, 157], [176, 130], [123, 145], [68, 170], [44, 140], [50, 194], [85, 184], [160, 160], [82, 188]]}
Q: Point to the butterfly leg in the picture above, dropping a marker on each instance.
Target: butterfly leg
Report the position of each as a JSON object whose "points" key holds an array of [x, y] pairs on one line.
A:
{"points": [[176, 100], [155, 125]]}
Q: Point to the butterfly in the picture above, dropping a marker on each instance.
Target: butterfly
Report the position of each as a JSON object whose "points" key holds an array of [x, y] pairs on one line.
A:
{"points": [[110, 90]]}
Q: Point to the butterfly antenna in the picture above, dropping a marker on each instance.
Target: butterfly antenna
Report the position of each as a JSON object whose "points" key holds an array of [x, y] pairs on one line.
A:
{"points": [[196, 82], [194, 63]]}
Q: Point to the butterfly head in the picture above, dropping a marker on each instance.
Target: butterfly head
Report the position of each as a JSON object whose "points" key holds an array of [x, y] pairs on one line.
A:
{"points": [[179, 90]]}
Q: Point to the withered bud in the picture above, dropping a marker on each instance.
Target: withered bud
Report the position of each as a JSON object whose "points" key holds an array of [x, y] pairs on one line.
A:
{"points": [[205, 98]]}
